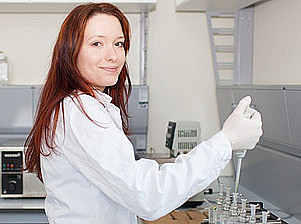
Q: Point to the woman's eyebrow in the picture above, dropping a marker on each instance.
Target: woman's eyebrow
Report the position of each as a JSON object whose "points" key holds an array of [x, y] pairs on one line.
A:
{"points": [[99, 35], [95, 35]]}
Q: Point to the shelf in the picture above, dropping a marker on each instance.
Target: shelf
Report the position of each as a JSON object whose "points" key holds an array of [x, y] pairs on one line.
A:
{"points": [[212, 5], [224, 48], [223, 31], [65, 6], [225, 65]]}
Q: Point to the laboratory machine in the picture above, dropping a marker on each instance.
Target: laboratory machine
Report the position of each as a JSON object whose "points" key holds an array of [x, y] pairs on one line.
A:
{"points": [[182, 136], [14, 181]]}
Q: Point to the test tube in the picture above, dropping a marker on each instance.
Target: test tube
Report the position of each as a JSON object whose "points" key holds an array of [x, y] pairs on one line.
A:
{"points": [[219, 202], [253, 214], [243, 212], [264, 217], [220, 198], [227, 203], [234, 207]]}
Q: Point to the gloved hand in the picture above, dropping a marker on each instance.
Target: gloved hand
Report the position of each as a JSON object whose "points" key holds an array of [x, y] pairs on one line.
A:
{"points": [[243, 132]]}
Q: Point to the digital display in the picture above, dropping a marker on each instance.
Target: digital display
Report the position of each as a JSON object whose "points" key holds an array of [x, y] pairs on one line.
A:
{"points": [[12, 177]]}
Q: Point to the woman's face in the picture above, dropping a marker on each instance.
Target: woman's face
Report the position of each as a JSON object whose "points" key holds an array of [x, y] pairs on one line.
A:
{"points": [[102, 56]]}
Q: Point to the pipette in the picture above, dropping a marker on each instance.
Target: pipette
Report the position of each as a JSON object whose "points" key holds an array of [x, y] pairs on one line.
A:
{"points": [[240, 154]]}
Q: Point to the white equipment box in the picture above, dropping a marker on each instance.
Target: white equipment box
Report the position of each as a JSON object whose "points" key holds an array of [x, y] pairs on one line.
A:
{"points": [[182, 136]]}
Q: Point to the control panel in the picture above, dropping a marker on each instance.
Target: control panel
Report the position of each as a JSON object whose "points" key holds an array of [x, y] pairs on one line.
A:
{"points": [[12, 172], [170, 134]]}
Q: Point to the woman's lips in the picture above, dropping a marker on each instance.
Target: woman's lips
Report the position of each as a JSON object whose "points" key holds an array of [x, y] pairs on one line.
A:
{"points": [[109, 68]]}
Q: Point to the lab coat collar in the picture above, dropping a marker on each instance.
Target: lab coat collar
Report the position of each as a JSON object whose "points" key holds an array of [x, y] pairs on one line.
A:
{"points": [[114, 111], [103, 97]]}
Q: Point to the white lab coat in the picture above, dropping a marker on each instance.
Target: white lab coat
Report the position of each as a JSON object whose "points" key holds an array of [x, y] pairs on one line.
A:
{"points": [[93, 177]]}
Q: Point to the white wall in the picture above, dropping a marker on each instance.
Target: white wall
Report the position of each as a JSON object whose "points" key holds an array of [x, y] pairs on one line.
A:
{"points": [[180, 73], [277, 42], [28, 40]]}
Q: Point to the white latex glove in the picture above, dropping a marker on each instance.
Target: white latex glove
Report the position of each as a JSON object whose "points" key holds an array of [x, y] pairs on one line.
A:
{"points": [[243, 132]]}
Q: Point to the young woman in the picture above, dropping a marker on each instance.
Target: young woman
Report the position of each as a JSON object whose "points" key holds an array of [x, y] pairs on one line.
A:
{"points": [[79, 147]]}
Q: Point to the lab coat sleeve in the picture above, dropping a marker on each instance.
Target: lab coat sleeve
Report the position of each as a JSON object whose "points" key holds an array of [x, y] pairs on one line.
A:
{"points": [[104, 155]]}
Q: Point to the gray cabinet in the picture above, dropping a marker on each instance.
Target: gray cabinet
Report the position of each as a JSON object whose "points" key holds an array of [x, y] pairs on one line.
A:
{"points": [[272, 169], [225, 99], [19, 104], [23, 216], [16, 108], [36, 95], [138, 120], [274, 176], [271, 103], [22, 210], [294, 114], [280, 108]]}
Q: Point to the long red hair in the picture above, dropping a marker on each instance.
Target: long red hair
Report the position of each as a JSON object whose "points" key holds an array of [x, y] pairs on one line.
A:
{"points": [[64, 79]]}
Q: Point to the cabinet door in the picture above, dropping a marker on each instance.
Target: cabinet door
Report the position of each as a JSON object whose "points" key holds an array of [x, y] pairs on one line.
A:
{"points": [[225, 98], [36, 96], [294, 114], [138, 110], [16, 109], [22, 216], [274, 176], [271, 104]]}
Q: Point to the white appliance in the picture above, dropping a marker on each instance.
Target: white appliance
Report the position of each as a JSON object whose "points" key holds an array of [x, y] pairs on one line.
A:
{"points": [[182, 136], [14, 181]]}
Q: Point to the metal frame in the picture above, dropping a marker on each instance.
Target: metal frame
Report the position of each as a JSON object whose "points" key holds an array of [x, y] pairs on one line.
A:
{"points": [[242, 48], [143, 46], [243, 42]]}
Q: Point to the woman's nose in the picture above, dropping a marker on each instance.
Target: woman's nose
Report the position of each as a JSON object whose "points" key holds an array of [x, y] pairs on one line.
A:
{"points": [[111, 54]]}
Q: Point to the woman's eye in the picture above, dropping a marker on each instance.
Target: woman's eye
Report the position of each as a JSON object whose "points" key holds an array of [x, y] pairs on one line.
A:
{"points": [[120, 44], [96, 44]]}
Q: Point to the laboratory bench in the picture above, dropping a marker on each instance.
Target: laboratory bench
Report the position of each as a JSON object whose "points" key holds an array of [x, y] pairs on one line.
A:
{"points": [[24, 211], [200, 213]]}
